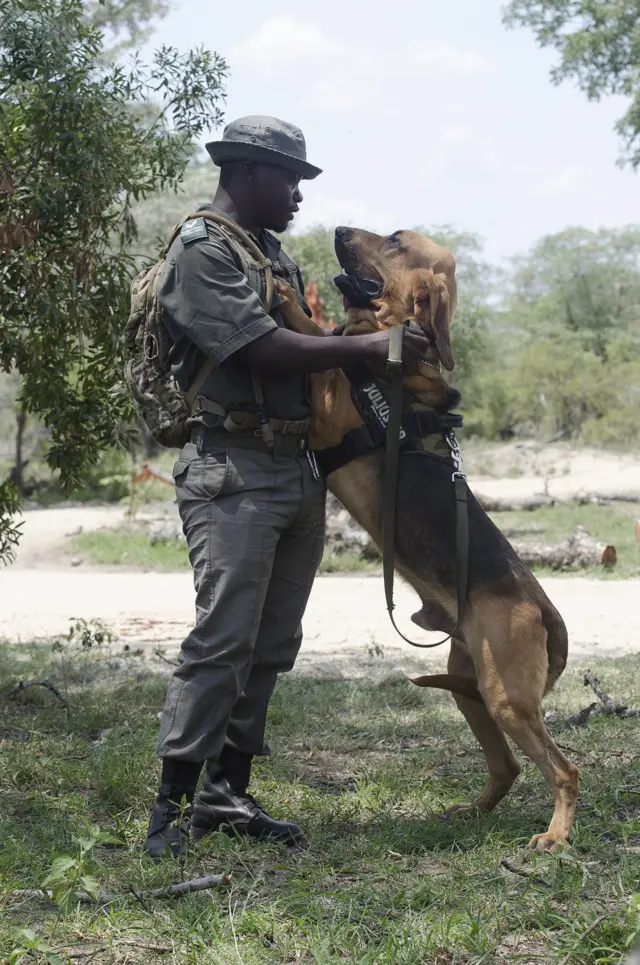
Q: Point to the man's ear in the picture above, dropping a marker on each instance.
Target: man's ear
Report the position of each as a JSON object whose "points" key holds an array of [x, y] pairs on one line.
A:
{"points": [[432, 311]]}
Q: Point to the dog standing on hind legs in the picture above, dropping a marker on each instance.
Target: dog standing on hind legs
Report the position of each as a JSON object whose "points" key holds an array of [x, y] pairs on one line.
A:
{"points": [[511, 645]]}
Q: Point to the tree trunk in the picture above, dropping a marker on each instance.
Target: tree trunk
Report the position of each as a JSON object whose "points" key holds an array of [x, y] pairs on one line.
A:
{"points": [[578, 551], [16, 475]]}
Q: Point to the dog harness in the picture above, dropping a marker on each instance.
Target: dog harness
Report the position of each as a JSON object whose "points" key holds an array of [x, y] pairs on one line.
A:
{"points": [[415, 429]]}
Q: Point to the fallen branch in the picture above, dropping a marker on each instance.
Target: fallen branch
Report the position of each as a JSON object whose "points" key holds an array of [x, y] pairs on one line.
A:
{"points": [[590, 680], [188, 887], [177, 890], [25, 684], [589, 930], [606, 707]]}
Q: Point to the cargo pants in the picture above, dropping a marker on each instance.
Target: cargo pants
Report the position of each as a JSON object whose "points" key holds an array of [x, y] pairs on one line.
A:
{"points": [[254, 525]]}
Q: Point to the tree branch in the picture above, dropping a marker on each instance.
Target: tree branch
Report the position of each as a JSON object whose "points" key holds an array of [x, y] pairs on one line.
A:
{"points": [[25, 684]]}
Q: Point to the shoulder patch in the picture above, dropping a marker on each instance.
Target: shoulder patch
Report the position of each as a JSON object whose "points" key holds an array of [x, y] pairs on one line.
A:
{"points": [[193, 230]]}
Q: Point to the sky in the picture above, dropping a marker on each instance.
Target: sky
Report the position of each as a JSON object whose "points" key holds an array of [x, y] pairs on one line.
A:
{"points": [[420, 113]]}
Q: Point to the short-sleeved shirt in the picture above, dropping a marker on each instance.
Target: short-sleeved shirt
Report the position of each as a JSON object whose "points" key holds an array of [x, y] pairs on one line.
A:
{"points": [[211, 311]]}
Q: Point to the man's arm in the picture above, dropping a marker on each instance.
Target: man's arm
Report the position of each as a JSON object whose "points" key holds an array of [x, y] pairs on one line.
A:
{"points": [[210, 300], [282, 352]]}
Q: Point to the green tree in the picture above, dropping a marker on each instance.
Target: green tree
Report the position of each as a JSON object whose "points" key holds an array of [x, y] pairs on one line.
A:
{"points": [[77, 150], [313, 251], [567, 359], [581, 282], [128, 20], [599, 46], [159, 212]]}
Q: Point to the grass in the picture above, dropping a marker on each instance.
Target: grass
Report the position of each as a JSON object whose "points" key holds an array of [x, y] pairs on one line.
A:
{"points": [[366, 767], [612, 524], [129, 547]]}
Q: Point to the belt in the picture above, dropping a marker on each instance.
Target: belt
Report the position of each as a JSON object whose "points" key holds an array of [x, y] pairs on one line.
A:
{"points": [[283, 445]]}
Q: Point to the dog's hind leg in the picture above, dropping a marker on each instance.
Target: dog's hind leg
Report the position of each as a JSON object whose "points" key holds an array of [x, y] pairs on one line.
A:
{"points": [[501, 762], [510, 654]]}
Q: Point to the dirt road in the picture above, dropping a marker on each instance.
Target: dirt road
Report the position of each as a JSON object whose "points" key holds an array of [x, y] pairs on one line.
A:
{"points": [[345, 625]]}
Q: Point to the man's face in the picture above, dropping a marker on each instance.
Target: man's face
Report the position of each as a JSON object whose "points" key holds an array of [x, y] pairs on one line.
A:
{"points": [[276, 195]]}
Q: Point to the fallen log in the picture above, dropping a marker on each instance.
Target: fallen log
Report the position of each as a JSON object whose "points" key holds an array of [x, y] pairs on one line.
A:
{"points": [[514, 504], [578, 551], [527, 502]]}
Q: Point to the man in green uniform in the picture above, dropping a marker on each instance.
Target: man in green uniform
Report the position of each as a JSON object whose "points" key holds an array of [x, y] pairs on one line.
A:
{"points": [[249, 495]]}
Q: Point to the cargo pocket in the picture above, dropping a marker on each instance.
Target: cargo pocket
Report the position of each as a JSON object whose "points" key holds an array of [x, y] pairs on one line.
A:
{"points": [[204, 477], [215, 471], [179, 470]]}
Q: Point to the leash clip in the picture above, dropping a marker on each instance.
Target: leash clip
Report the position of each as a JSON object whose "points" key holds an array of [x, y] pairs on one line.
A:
{"points": [[456, 454]]}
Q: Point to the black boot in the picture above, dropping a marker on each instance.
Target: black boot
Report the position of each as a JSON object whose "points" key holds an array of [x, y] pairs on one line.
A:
{"points": [[224, 804], [169, 830]]}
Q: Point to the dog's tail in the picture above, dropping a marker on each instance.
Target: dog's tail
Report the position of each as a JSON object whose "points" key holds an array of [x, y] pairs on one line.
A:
{"points": [[455, 683]]}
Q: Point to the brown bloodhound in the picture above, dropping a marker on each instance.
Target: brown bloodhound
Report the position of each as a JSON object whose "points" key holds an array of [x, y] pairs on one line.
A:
{"points": [[511, 646]]}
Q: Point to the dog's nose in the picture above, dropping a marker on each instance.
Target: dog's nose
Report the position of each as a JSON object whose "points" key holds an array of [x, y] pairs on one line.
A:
{"points": [[343, 233]]}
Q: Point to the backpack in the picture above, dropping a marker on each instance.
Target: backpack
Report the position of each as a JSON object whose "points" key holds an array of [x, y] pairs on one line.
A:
{"points": [[161, 403]]}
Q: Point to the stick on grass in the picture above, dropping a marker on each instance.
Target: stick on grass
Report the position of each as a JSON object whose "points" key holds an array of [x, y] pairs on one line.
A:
{"points": [[177, 890]]}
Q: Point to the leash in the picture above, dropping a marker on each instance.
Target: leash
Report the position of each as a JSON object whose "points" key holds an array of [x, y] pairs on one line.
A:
{"points": [[390, 496]]}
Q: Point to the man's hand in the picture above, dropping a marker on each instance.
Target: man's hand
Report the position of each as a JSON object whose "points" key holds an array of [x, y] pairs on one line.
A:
{"points": [[414, 348]]}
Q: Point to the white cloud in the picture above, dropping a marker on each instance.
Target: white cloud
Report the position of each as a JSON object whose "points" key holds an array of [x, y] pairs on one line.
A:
{"points": [[328, 209], [566, 181], [461, 143], [449, 59], [337, 78]]}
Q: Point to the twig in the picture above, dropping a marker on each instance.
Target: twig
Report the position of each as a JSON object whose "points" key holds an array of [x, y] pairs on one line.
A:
{"points": [[92, 952], [159, 654], [523, 874], [590, 929], [163, 949], [106, 898], [25, 684], [607, 706], [188, 887], [138, 897], [590, 680]]}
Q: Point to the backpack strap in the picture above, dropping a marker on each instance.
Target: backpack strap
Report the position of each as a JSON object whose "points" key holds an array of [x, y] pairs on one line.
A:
{"points": [[263, 264]]}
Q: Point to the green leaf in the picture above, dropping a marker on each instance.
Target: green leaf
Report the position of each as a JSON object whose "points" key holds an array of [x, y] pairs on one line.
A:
{"points": [[59, 868], [66, 898], [91, 886], [87, 844]]}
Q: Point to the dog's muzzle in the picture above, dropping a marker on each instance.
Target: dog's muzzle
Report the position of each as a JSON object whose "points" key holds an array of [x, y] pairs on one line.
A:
{"points": [[359, 292]]}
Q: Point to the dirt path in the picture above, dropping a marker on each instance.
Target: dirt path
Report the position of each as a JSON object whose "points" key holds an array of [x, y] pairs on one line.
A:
{"points": [[345, 626]]}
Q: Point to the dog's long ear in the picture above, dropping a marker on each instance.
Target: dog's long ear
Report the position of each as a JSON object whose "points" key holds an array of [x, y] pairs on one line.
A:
{"points": [[432, 311]]}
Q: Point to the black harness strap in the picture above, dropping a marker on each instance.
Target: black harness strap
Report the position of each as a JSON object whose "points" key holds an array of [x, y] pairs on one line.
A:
{"points": [[385, 423], [355, 443], [390, 498]]}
